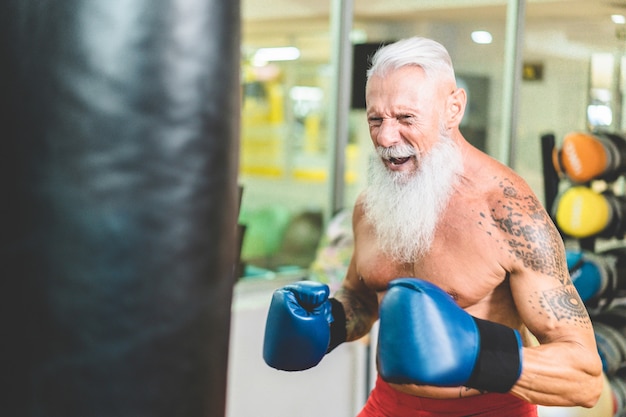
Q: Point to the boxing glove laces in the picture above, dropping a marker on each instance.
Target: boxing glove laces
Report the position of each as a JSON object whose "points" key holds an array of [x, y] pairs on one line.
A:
{"points": [[426, 338], [303, 324]]}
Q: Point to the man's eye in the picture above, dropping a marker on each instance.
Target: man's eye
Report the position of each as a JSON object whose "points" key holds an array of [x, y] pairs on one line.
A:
{"points": [[375, 121]]}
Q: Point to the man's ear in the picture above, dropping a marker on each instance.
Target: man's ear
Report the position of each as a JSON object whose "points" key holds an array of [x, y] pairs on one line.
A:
{"points": [[457, 101]]}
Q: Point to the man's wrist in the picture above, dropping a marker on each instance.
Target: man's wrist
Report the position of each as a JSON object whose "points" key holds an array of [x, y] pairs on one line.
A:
{"points": [[338, 331]]}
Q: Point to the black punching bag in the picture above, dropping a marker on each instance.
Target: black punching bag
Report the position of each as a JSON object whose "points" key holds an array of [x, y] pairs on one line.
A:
{"points": [[119, 126]]}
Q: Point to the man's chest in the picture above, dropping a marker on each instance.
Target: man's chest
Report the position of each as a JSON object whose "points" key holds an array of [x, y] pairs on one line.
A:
{"points": [[465, 265]]}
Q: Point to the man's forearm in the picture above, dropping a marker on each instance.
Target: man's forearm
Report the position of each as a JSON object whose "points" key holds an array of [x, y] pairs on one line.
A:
{"points": [[361, 312]]}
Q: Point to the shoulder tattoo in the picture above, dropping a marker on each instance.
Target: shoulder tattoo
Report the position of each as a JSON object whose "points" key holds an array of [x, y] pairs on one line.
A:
{"points": [[528, 233], [530, 236]]}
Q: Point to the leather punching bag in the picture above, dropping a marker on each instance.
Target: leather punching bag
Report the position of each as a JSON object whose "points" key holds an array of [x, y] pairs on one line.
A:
{"points": [[119, 128]]}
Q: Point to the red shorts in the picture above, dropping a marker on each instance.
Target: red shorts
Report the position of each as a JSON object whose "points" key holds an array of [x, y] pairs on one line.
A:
{"points": [[385, 401]]}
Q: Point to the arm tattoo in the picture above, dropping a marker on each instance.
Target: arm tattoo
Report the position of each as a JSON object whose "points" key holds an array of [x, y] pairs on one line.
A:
{"points": [[529, 233], [530, 236], [564, 303], [359, 317]]}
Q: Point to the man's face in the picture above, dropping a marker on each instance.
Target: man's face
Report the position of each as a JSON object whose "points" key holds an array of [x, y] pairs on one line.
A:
{"points": [[404, 107], [418, 162]]}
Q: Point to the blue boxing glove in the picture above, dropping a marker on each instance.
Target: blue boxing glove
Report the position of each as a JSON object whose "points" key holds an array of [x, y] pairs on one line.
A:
{"points": [[303, 324], [426, 338]]}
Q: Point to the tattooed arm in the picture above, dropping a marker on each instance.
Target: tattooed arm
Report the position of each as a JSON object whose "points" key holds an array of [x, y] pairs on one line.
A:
{"points": [[565, 368], [359, 303]]}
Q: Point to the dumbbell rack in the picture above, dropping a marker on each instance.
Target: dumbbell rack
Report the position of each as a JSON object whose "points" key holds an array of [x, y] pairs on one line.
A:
{"points": [[551, 181], [608, 315]]}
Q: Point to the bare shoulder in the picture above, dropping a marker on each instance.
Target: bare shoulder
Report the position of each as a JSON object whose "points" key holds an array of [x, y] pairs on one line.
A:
{"points": [[524, 228]]}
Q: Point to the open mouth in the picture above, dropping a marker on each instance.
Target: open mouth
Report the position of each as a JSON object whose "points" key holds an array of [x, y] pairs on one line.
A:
{"points": [[399, 161]]}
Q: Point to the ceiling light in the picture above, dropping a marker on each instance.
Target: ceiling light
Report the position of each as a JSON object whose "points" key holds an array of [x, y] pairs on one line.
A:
{"points": [[265, 55], [302, 93], [618, 19], [482, 37]]}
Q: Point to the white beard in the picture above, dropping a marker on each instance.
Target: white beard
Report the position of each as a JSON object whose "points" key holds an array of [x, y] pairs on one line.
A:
{"points": [[404, 208]]}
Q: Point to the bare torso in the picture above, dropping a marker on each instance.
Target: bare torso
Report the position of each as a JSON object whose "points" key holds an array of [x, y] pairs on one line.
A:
{"points": [[496, 250], [471, 258]]}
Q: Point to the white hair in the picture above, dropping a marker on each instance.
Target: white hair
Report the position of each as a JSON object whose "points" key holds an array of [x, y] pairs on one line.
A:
{"points": [[425, 53]]}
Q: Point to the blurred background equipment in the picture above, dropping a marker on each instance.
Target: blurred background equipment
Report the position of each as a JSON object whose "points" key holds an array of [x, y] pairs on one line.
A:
{"points": [[581, 212], [594, 276], [583, 184], [585, 156]]}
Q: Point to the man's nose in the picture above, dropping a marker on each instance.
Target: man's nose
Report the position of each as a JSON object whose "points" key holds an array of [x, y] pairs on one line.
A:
{"points": [[388, 133]]}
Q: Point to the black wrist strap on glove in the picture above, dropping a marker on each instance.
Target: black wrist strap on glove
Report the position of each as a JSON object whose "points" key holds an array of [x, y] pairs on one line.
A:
{"points": [[338, 326], [499, 363]]}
